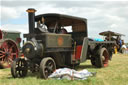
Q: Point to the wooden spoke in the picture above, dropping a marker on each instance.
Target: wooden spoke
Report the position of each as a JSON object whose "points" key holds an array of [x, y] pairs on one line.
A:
{"points": [[11, 48], [13, 53], [5, 47], [10, 60], [2, 52]]}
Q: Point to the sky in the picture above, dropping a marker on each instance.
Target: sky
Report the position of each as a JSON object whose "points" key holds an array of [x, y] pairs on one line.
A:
{"points": [[102, 15]]}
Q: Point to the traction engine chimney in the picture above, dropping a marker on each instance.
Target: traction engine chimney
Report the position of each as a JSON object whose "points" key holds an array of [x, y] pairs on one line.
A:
{"points": [[31, 20]]}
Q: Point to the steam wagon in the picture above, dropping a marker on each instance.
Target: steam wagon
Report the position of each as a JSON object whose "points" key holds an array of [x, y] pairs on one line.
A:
{"points": [[57, 40], [9, 44], [113, 36]]}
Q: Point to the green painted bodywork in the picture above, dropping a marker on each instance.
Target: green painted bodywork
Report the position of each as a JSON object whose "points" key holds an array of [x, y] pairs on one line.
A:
{"points": [[58, 40], [11, 35]]}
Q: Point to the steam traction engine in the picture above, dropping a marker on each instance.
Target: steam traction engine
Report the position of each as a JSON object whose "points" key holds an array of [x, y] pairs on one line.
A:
{"points": [[9, 44], [55, 47]]}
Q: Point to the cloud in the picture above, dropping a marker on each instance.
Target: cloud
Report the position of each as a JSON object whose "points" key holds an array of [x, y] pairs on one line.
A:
{"points": [[21, 3], [8, 13], [101, 15], [23, 28]]}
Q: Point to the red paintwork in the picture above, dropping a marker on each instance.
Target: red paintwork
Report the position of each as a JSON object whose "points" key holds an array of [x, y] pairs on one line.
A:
{"points": [[105, 62], [8, 51], [78, 52], [1, 35], [18, 40]]}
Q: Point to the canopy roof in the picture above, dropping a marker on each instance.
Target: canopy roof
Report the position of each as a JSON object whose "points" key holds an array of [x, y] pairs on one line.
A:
{"points": [[110, 33], [65, 20], [51, 19]]}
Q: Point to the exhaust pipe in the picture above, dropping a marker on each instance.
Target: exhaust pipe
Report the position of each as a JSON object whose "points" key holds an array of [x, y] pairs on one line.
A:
{"points": [[31, 20]]}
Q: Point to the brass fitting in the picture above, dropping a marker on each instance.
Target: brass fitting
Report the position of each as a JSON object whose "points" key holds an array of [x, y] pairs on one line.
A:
{"points": [[31, 10], [27, 50]]}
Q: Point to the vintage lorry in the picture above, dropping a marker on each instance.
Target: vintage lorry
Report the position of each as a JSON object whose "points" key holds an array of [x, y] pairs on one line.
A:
{"points": [[62, 41]]}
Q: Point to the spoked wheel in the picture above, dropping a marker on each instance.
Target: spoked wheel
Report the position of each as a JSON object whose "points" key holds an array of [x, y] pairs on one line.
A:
{"points": [[47, 66], [102, 58], [8, 52], [19, 68]]}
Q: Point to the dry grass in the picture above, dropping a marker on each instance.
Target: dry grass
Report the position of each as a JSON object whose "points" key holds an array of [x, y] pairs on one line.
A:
{"points": [[4, 73], [115, 74]]}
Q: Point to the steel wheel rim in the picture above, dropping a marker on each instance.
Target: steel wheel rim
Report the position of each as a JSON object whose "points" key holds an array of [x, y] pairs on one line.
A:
{"points": [[49, 67], [20, 68], [105, 58]]}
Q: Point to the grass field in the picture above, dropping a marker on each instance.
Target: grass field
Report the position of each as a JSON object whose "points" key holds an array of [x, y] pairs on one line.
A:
{"points": [[115, 74]]}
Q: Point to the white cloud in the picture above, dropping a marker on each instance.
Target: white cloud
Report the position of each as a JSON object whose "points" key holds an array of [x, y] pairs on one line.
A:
{"points": [[49, 9], [113, 26], [23, 28], [9, 13], [102, 16], [115, 18]]}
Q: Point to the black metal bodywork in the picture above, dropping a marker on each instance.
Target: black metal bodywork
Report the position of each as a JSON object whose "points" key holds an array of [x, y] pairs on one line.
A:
{"points": [[95, 45], [53, 43]]}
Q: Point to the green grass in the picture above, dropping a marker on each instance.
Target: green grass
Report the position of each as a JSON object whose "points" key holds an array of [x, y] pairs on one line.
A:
{"points": [[115, 74]]}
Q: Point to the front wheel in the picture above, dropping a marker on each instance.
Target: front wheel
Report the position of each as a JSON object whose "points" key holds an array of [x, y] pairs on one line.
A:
{"points": [[47, 66], [19, 68]]}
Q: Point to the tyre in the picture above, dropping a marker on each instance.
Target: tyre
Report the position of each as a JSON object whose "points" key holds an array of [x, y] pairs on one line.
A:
{"points": [[77, 64], [47, 66], [102, 58], [19, 68], [93, 60], [74, 65], [110, 55]]}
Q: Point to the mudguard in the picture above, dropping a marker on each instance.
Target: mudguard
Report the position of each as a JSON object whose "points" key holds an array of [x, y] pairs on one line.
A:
{"points": [[83, 56]]}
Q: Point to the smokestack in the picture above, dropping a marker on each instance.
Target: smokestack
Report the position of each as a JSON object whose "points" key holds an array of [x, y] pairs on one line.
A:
{"points": [[31, 19]]}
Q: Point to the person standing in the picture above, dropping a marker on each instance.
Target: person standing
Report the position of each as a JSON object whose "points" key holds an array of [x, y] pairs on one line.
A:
{"points": [[42, 27], [123, 47]]}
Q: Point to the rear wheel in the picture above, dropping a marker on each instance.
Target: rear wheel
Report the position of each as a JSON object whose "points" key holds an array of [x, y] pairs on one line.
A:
{"points": [[110, 55], [8, 52], [93, 60], [19, 68], [47, 66], [102, 58]]}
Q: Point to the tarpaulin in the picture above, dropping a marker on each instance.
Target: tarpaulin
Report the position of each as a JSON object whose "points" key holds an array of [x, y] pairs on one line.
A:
{"points": [[71, 74]]}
